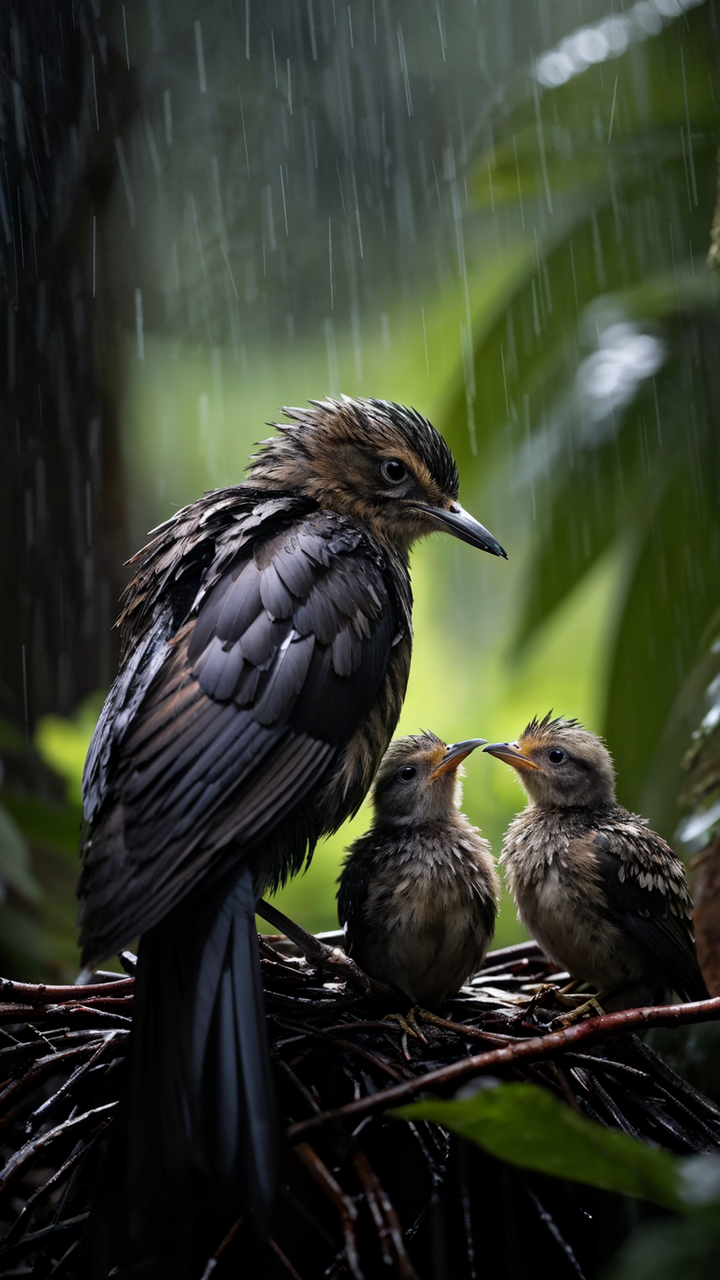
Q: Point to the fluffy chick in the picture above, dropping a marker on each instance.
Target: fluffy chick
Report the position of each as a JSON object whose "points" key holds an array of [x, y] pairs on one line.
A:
{"points": [[602, 894], [419, 892]]}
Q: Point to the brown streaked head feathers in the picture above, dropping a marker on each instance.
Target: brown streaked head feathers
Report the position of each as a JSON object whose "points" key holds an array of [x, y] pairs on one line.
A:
{"points": [[433, 788], [560, 763], [373, 461]]}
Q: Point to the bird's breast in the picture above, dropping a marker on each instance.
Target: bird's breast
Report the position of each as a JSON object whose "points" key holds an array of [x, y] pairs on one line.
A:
{"points": [[426, 925]]}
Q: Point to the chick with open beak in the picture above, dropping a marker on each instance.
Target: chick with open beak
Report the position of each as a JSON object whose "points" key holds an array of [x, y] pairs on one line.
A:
{"points": [[602, 894], [419, 892]]}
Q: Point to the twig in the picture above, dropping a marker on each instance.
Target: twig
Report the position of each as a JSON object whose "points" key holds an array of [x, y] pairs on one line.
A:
{"points": [[344, 1204], [97, 1008], [376, 1061], [39, 993], [319, 953], [522, 1050], [386, 1220], [49, 1064], [284, 1259], [39, 1145], [40, 1194], [299, 1087], [72, 1079], [226, 1240], [31, 1242]]}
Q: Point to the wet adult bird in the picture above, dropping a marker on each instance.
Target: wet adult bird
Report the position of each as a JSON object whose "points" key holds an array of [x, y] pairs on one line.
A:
{"points": [[603, 894], [419, 892], [266, 641]]}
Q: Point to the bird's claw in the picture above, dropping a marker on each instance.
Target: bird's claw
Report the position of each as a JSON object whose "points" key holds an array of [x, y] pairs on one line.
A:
{"points": [[591, 1004], [409, 1025]]}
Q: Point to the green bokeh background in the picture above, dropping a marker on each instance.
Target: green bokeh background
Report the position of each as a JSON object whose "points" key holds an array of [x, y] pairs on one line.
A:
{"points": [[542, 216]]}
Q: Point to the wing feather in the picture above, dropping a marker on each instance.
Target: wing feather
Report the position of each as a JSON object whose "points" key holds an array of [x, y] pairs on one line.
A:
{"points": [[253, 703], [646, 891]]}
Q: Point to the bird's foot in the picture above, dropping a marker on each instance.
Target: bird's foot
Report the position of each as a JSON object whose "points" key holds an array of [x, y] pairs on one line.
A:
{"points": [[554, 988], [533, 995], [408, 1024], [591, 1004]]}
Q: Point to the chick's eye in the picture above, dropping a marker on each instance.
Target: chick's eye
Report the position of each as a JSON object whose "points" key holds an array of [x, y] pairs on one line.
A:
{"points": [[407, 773], [392, 470], [556, 756]]}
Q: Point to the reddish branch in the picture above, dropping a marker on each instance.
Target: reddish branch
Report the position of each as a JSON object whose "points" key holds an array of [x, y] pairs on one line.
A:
{"points": [[609, 1024], [19, 993]]}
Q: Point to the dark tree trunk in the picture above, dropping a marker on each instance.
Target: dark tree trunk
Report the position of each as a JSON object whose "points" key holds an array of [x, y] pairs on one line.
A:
{"points": [[65, 97]]}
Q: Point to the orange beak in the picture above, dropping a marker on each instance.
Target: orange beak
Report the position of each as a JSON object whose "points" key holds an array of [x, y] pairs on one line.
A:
{"points": [[454, 756], [511, 754]]}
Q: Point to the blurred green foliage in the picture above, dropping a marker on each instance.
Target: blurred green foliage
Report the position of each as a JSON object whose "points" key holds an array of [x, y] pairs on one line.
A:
{"points": [[38, 866], [600, 376], [583, 421], [62, 743], [525, 1125]]}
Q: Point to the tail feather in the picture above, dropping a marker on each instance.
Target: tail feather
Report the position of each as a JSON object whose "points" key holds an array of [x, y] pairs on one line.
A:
{"points": [[197, 1139], [262, 1125], [232, 1077]]}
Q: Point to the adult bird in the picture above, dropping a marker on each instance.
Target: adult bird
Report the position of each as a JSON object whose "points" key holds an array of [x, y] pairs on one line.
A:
{"points": [[419, 892], [265, 649], [603, 894]]}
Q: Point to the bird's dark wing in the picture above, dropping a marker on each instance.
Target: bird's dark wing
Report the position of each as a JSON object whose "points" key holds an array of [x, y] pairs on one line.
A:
{"points": [[353, 891], [254, 699], [646, 892], [186, 557]]}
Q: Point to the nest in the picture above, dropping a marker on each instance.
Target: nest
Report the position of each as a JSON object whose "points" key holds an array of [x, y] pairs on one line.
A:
{"points": [[364, 1195]]}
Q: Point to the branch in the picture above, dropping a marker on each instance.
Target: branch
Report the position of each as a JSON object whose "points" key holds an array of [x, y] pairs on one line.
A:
{"points": [[608, 1024], [332, 959], [38, 993]]}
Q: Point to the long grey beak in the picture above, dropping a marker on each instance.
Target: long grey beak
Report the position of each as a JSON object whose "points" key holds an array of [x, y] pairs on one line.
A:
{"points": [[465, 527]]}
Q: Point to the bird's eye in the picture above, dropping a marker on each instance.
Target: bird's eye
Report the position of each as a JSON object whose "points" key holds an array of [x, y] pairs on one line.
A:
{"points": [[407, 773], [392, 470], [556, 756]]}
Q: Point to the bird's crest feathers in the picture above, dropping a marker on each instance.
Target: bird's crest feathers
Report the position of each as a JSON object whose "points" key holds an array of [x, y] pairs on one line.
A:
{"points": [[369, 422], [537, 730], [413, 744]]}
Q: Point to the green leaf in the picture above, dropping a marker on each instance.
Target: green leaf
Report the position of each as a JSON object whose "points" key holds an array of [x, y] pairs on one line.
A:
{"points": [[63, 743], [559, 141], [526, 1126]]}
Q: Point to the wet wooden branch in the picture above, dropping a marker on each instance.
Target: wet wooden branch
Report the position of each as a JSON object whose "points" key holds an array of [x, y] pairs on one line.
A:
{"points": [[359, 1190], [608, 1024]]}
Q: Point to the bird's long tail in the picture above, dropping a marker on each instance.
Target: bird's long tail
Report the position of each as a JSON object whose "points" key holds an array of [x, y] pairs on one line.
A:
{"points": [[197, 1139]]}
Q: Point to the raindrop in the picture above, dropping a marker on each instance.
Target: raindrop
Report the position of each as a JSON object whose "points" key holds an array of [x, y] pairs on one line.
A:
{"points": [[25, 698], [404, 69], [125, 30], [332, 265], [284, 202], [139, 329], [95, 97], [311, 23], [332, 357], [202, 80], [167, 114], [126, 180]]}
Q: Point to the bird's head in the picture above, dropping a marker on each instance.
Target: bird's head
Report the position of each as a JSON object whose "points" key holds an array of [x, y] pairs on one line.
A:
{"points": [[560, 763], [419, 779], [376, 462]]}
